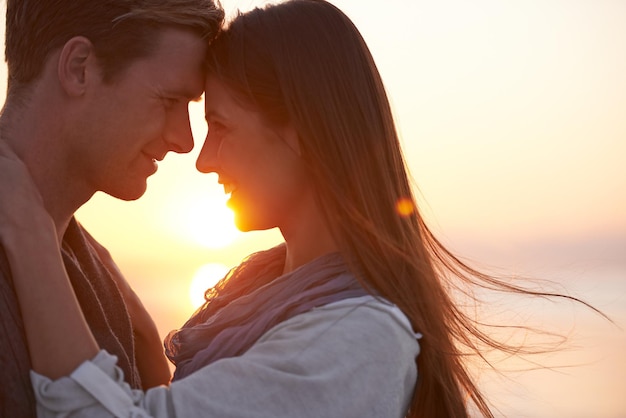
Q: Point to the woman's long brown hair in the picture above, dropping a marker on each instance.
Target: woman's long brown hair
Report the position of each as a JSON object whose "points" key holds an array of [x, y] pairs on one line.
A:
{"points": [[304, 62]]}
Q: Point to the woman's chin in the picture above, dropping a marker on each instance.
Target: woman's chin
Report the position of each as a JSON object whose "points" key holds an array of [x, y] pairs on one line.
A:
{"points": [[243, 224], [247, 224]]}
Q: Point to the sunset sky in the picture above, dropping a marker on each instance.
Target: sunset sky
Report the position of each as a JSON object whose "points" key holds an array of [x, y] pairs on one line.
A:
{"points": [[513, 121]]}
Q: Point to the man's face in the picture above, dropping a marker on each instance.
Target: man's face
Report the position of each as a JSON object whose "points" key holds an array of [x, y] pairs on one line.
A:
{"points": [[129, 124]]}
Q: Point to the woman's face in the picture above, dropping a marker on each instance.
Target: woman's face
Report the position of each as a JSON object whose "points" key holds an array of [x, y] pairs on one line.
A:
{"points": [[257, 163]]}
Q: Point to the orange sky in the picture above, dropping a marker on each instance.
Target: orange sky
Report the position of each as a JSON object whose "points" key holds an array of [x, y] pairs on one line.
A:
{"points": [[513, 119]]}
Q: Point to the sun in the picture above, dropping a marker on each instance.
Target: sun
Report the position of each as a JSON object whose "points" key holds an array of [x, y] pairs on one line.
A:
{"points": [[209, 222], [204, 278]]}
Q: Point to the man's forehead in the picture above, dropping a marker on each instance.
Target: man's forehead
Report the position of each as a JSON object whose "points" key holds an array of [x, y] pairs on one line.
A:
{"points": [[177, 63]]}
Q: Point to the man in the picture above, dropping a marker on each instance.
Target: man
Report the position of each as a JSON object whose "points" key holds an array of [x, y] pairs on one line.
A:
{"points": [[98, 93]]}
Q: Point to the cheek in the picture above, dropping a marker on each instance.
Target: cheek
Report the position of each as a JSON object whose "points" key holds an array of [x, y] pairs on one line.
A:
{"points": [[286, 187], [269, 193], [246, 160]]}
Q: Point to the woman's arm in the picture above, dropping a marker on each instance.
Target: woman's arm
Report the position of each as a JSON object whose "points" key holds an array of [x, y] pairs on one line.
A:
{"points": [[57, 333], [351, 359]]}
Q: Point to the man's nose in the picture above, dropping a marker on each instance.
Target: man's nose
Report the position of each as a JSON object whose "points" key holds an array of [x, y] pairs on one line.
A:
{"points": [[178, 132]]}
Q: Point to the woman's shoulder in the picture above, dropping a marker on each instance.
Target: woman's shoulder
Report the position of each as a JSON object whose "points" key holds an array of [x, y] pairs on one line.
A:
{"points": [[358, 309], [367, 320]]}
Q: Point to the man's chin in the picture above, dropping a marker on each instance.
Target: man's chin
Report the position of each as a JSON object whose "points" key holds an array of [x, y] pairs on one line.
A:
{"points": [[128, 194]]}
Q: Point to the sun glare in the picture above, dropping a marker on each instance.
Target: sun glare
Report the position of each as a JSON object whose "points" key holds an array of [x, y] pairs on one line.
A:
{"points": [[204, 278], [210, 222]]}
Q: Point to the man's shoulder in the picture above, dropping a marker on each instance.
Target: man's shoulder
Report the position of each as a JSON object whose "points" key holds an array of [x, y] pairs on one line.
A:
{"points": [[12, 338], [9, 305], [16, 398]]}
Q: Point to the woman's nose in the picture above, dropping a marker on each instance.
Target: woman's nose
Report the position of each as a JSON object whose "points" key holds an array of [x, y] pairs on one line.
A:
{"points": [[207, 159]]}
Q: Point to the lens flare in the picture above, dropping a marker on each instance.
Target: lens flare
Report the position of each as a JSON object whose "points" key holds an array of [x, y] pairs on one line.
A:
{"points": [[405, 206]]}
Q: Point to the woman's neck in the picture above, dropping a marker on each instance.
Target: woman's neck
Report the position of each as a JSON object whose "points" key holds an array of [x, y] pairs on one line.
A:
{"points": [[306, 242]]}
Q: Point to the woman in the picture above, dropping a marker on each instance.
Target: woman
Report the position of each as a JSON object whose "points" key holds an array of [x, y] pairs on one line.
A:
{"points": [[352, 316]]}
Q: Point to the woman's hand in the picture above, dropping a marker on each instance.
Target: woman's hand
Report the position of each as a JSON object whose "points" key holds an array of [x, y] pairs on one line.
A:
{"points": [[21, 207]]}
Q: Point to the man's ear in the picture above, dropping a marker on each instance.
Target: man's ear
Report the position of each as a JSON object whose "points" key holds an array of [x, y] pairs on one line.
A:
{"points": [[77, 62]]}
